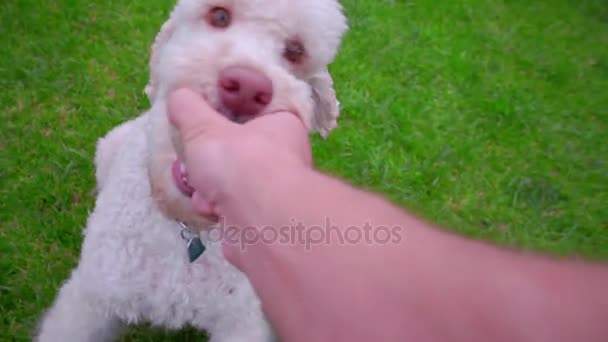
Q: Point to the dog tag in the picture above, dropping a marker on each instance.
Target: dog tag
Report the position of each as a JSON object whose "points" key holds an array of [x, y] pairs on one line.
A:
{"points": [[195, 248]]}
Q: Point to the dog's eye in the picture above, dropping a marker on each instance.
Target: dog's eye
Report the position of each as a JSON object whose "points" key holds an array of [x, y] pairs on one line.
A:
{"points": [[219, 17], [294, 51]]}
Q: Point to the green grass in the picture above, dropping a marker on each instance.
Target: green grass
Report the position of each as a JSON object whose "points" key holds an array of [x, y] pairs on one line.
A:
{"points": [[488, 117]]}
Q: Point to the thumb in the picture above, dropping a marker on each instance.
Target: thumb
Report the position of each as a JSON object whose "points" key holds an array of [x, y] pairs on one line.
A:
{"points": [[192, 115]]}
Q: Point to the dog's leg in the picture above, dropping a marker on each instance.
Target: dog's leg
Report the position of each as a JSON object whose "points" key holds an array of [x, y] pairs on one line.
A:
{"points": [[76, 317]]}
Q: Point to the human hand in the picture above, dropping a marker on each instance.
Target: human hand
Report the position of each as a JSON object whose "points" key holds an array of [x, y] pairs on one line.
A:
{"points": [[229, 164]]}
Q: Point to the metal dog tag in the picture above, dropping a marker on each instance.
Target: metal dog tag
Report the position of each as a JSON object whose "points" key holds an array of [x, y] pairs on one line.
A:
{"points": [[194, 245], [195, 249]]}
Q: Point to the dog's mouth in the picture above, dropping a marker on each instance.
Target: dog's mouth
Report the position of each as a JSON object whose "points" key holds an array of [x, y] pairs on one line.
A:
{"points": [[236, 117], [178, 168], [180, 178]]}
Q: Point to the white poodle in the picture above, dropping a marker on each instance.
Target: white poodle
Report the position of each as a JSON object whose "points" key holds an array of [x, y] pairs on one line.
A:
{"points": [[138, 263]]}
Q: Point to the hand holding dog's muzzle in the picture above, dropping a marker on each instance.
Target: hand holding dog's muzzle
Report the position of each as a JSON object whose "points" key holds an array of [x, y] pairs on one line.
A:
{"points": [[227, 161]]}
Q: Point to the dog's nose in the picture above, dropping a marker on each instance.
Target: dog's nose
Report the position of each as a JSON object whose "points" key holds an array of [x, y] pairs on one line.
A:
{"points": [[244, 91]]}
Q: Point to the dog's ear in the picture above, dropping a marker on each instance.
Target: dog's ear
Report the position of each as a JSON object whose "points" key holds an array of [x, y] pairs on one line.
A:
{"points": [[326, 104], [161, 38]]}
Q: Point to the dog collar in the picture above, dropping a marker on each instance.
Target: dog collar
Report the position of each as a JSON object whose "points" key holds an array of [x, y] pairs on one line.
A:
{"points": [[194, 245]]}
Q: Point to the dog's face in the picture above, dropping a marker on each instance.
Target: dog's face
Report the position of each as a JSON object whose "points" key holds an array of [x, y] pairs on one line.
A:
{"points": [[253, 57], [247, 58]]}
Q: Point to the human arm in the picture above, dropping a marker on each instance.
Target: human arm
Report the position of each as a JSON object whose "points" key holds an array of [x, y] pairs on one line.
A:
{"points": [[428, 286]]}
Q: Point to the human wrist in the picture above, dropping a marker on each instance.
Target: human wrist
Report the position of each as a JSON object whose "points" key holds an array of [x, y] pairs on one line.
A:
{"points": [[256, 199], [271, 202]]}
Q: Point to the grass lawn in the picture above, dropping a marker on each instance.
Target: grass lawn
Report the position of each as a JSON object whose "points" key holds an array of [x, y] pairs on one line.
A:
{"points": [[489, 117]]}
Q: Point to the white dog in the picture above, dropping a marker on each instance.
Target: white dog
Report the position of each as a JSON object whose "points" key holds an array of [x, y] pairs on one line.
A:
{"points": [[138, 261]]}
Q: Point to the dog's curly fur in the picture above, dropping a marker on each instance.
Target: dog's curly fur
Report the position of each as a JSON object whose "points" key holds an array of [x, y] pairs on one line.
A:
{"points": [[134, 266]]}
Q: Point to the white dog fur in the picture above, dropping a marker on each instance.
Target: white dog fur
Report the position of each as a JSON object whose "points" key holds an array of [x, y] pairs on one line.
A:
{"points": [[134, 266]]}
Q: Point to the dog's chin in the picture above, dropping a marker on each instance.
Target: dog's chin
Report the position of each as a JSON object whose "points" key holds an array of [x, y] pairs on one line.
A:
{"points": [[179, 171], [174, 193]]}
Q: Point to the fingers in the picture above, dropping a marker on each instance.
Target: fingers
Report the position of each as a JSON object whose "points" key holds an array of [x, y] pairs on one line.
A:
{"points": [[279, 120], [288, 129], [204, 207], [192, 115], [279, 126]]}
